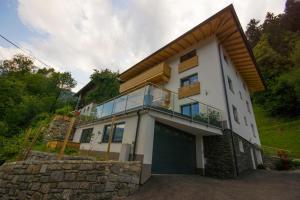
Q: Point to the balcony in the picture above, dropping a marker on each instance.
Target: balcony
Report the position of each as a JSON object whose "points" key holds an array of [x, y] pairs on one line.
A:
{"points": [[189, 90], [157, 74], [162, 100], [188, 64]]}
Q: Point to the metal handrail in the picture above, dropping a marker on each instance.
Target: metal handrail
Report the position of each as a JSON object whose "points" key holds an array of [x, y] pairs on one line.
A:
{"points": [[209, 109]]}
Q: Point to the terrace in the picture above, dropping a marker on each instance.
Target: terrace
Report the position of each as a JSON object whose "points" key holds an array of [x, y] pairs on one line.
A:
{"points": [[153, 97]]}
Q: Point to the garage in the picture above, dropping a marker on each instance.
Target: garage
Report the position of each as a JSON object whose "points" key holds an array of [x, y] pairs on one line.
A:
{"points": [[174, 151]]}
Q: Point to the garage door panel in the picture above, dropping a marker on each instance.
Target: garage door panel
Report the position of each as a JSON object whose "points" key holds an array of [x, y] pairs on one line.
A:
{"points": [[173, 151]]}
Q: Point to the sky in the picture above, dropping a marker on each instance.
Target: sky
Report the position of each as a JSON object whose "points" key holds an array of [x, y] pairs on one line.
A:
{"points": [[79, 36]]}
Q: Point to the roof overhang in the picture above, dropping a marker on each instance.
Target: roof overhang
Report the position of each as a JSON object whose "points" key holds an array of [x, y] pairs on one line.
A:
{"points": [[226, 27]]}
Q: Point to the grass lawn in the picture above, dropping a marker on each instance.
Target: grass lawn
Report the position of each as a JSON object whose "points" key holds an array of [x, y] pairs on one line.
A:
{"points": [[278, 133]]}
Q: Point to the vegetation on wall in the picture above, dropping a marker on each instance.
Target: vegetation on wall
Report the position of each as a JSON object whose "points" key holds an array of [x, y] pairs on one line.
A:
{"points": [[276, 46], [27, 96]]}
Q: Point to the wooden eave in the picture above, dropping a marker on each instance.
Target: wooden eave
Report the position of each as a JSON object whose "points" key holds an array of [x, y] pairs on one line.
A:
{"points": [[226, 27]]}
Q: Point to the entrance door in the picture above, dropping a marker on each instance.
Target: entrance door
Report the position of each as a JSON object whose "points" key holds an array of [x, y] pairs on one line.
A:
{"points": [[174, 151]]}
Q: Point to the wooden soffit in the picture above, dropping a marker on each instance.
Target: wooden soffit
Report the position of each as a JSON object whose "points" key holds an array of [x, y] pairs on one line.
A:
{"points": [[226, 27]]}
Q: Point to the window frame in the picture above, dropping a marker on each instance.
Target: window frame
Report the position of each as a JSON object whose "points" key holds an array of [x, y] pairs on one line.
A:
{"points": [[105, 136], [235, 114], [248, 106], [246, 121], [230, 84], [241, 145], [182, 80], [253, 130], [188, 55], [190, 106], [83, 137]]}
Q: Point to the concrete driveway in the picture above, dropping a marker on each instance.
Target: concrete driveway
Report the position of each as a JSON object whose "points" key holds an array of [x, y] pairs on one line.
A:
{"points": [[260, 184]]}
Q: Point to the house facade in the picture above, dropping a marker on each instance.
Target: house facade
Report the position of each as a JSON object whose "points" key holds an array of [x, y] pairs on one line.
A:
{"points": [[185, 109]]}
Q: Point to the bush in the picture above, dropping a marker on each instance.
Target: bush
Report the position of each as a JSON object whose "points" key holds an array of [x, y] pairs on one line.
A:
{"points": [[260, 166], [65, 111], [70, 151], [284, 164], [296, 162]]}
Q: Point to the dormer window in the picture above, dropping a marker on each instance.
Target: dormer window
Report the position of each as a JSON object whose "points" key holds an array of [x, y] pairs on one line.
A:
{"points": [[188, 56]]}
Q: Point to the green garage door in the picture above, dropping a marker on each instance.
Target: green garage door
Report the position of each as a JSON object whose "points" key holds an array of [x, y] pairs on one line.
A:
{"points": [[174, 151]]}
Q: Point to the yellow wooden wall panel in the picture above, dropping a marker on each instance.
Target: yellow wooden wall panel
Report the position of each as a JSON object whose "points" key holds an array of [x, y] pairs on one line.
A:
{"points": [[189, 90], [158, 73], [188, 64]]}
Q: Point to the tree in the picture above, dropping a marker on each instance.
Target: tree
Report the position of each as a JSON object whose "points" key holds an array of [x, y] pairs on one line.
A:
{"points": [[107, 86], [292, 15], [276, 46], [253, 32]]}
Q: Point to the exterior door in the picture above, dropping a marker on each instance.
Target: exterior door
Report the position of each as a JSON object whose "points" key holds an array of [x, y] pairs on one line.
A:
{"points": [[174, 151]]}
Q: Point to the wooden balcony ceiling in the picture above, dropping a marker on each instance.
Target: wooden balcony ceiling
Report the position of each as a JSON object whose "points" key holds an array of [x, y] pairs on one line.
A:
{"points": [[226, 26]]}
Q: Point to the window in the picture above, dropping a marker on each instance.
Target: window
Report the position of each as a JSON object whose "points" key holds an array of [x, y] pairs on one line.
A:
{"points": [[244, 85], [245, 120], [240, 95], [241, 146], [190, 109], [253, 131], [86, 135], [189, 80], [118, 131], [248, 106], [230, 84], [225, 58], [235, 114], [188, 56]]}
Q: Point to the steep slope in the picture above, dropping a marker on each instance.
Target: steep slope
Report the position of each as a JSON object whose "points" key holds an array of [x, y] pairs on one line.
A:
{"points": [[278, 133]]}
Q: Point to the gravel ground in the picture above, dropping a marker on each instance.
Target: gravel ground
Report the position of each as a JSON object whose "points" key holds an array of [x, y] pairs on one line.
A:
{"points": [[260, 184]]}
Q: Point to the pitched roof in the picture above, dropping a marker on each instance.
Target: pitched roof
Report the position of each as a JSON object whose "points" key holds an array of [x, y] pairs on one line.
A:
{"points": [[226, 27]]}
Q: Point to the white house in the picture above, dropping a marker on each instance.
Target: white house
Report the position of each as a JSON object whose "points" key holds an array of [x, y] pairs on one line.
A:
{"points": [[186, 108]]}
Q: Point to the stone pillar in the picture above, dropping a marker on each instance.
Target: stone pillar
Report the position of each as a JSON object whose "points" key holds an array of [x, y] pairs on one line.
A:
{"points": [[218, 153]]}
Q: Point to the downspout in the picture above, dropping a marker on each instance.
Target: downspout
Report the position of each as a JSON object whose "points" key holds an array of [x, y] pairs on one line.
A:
{"points": [[228, 111], [136, 135]]}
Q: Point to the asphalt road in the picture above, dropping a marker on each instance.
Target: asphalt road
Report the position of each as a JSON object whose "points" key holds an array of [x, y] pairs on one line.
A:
{"points": [[260, 184]]}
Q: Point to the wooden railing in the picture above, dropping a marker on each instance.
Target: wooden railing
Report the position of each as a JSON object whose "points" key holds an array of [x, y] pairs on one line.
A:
{"points": [[157, 74], [189, 90], [188, 64]]}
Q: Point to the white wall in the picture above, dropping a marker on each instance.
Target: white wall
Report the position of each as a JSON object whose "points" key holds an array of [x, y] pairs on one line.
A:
{"points": [[86, 110], [234, 99], [212, 89], [144, 141], [209, 74], [96, 141]]}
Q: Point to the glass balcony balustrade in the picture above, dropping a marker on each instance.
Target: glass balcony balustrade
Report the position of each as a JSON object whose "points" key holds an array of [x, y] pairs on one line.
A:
{"points": [[163, 100]]}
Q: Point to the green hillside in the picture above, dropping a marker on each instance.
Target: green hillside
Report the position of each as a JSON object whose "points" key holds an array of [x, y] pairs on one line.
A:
{"points": [[278, 133]]}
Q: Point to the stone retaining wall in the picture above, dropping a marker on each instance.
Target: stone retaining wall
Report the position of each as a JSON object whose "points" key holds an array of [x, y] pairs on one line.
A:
{"points": [[37, 155], [69, 179]]}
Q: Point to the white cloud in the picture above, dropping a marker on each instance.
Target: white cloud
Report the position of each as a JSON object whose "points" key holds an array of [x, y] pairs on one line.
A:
{"points": [[83, 35]]}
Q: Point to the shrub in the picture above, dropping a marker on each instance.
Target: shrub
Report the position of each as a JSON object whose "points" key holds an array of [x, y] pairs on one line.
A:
{"points": [[260, 166], [70, 151], [283, 164]]}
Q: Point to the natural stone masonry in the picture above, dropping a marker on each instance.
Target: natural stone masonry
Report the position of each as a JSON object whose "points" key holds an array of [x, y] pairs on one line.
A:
{"points": [[219, 156], [58, 128], [218, 152], [37, 155], [68, 179]]}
